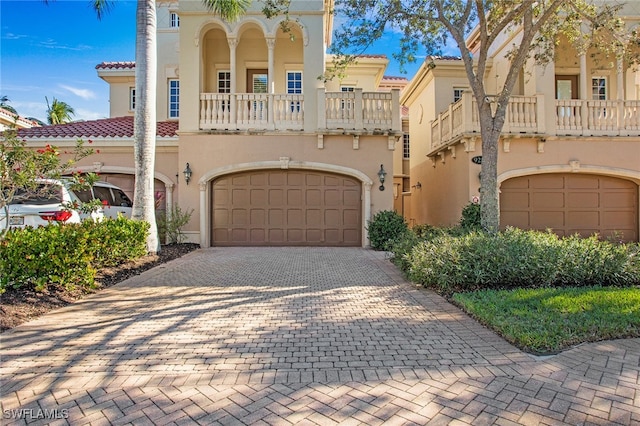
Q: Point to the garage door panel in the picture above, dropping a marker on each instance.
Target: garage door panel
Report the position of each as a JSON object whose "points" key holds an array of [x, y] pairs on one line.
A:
{"points": [[582, 182], [583, 200], [547, 200], [584, 219], [286, 207], [594, 204], [276, 217], [276, 197], [546, 219], [546, 182]]}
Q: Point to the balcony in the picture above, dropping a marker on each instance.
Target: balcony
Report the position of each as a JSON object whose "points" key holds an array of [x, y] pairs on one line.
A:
{"points": [[526, 116], [355, 111]]}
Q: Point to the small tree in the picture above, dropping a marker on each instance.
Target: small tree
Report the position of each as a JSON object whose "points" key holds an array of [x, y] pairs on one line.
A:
{"points": [[21, 168], [59, 112]]}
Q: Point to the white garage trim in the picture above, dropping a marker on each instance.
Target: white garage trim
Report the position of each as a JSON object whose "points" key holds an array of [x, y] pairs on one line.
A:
{"points": [[207, 178], [575, 167]]}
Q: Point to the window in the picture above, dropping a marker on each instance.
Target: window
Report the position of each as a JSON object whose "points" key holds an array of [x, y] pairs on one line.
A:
{"points": [[294, 86], [405, 146], [175, 20], [457, 93], [599, 88], [224, 82], [347, 103], [174, 98], [132, 98]]}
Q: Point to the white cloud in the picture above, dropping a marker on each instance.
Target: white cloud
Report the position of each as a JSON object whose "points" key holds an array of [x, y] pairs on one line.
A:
{"points": [[82, 93], [86, 114]]}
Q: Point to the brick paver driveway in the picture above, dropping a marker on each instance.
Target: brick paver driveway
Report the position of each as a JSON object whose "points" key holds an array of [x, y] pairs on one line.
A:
{"points": [[296, 336]]}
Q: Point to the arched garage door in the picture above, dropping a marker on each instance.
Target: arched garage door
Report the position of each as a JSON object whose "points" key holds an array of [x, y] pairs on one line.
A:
{"points": [[571, 203], [286, 207]]}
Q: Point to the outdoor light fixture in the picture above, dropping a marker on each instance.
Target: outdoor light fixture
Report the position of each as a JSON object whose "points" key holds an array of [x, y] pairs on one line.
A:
{"points": [[418, 185], [382, 174], [187, 174]]}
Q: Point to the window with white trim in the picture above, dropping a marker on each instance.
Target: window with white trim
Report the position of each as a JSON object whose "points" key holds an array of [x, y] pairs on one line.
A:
{"points": [[132, 98], [457, 93], [599, 88], [294, 86], [175, 20], [174, 98], [224, 81], [405, 146]]}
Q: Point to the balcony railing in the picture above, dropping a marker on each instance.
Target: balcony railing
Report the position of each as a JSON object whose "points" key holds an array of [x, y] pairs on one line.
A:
{"points": [[337, 111], [526, 115], [594, 117], [251, 111]]}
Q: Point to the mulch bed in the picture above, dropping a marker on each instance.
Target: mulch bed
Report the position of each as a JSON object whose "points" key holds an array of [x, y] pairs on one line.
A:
{"points": [[18, 306]]}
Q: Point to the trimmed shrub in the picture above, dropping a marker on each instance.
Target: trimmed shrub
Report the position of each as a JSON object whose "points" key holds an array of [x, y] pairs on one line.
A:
{"points": [[385, 227], [517, 258], [470, 219], [68, 255]]}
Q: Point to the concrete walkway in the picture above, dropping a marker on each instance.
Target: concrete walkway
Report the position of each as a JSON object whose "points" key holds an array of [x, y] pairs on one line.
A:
{"points": [[296, 336]]}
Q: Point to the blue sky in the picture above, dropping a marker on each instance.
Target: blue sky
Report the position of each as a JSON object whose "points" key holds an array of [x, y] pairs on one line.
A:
{"points": [[51, 50]]}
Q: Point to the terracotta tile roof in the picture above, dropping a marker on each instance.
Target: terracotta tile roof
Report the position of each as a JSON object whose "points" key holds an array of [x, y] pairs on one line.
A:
{"points": [[444, 58], [116, 65], [119, 127], [381, 56]]}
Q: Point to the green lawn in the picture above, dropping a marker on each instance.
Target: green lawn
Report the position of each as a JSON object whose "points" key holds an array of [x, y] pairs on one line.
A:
{"points": [[548, 320]]}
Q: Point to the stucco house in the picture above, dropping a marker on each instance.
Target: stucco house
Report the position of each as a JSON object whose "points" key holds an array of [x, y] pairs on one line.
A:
{"points": [[569, 155], [9, 119], [276, 154]]}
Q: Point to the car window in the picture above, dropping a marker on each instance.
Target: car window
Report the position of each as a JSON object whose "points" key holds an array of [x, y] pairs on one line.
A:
{"points": [[43, 194], [103, 194], [120, 198], [84, 195]]}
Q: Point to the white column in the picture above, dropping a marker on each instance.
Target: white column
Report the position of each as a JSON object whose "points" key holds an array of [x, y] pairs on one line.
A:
{"points": [[584, 87], [203, 215], [271, 43], [233, 44]]}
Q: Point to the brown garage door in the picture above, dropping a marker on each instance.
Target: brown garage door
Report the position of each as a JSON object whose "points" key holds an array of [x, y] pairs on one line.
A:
{"points": [[286, 207], [571, 203]]}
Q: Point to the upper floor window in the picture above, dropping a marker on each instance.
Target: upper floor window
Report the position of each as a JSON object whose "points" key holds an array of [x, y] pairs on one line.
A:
{"points": [[224, 82], [457, 93], [294, 82], [175, 20], [132, 98], [405, 146], [599, 88], [347, 88], [174, 98]]}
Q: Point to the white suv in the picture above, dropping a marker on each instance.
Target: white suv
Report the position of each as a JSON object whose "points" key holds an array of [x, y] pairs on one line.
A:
{"points": [[49, 206]]}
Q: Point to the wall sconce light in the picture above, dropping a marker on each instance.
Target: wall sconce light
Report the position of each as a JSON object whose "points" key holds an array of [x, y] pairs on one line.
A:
{"points": [[187, 174], [382, 174], [418, 185]]}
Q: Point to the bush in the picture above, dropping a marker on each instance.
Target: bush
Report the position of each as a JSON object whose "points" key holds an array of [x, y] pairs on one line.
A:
{"points": [[385, 227], [471, 217], [170, 226], [516, 258], [68, 255]]}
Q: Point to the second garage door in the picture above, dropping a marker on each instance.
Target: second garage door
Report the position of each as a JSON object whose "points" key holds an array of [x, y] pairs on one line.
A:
{"points": [[571, 203], [286, 207]]}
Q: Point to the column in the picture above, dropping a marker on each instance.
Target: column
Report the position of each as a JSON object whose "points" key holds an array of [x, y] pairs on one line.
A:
{"points": [[233, 44]]}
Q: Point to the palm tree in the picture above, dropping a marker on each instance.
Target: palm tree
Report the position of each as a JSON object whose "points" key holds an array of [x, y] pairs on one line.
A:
{"points": [[4, 103], [229, 10], [59, 112], [144, 121]]}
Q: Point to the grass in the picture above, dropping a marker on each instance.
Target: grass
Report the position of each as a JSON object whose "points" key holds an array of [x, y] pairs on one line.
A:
{"points": [[549, 320]]}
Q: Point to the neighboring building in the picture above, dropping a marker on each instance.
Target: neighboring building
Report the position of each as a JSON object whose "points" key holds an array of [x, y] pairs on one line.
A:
{"points": [[278, 156], [569, 156], [8, 119]]}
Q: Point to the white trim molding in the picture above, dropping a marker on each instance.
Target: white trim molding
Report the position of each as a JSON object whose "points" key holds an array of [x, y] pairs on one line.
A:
{"points": [[205, 194]]}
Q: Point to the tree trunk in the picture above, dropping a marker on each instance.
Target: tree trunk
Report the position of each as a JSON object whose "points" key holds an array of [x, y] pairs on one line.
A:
{"points": [[491, 128], [145, 120]]}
